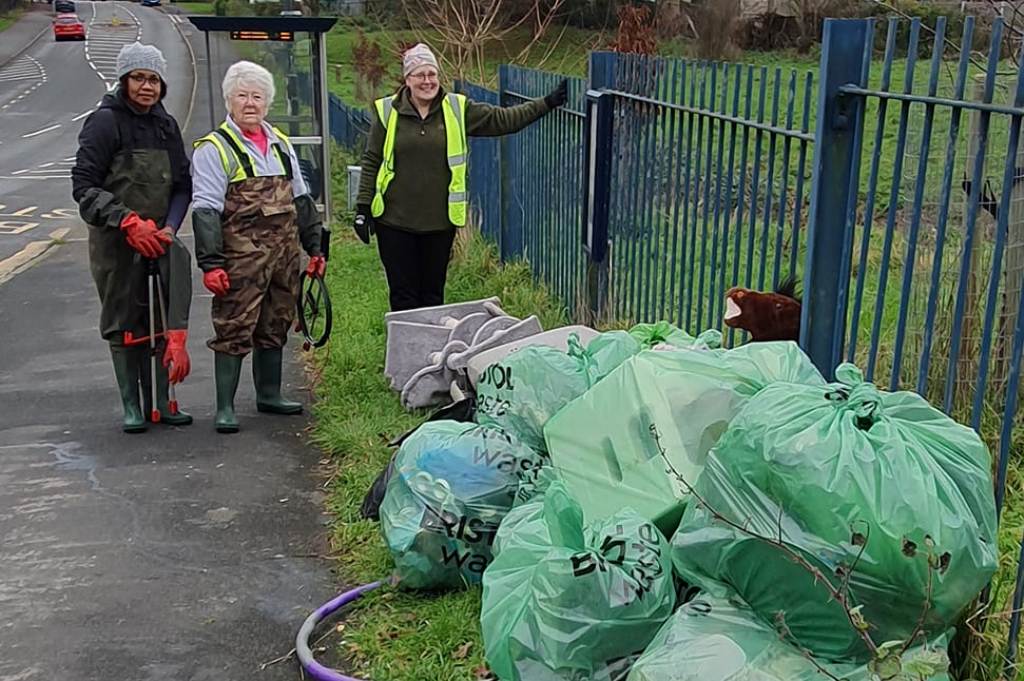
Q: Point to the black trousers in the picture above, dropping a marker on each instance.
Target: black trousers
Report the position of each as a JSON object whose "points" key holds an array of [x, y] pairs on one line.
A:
{"points": [[416, 265]]}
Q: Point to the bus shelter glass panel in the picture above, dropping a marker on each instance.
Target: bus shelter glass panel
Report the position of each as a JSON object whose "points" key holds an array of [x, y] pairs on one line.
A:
{"points": [[293, 63]]}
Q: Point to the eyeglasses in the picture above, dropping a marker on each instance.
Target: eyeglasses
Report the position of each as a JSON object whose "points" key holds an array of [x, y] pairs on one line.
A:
{"points": [[432, 75], [139, 79]]}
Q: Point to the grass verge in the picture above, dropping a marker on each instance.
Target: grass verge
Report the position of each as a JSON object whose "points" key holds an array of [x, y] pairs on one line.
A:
{"points": [[195, 7], [7, 19], [392, 635]]}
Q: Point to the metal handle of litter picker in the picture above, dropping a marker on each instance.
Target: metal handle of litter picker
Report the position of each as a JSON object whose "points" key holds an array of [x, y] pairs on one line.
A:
{"points": [[172, 400], [152, 276]]}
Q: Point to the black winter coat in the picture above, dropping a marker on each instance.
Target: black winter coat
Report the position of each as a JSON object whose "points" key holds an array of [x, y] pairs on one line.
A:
{"points": [[114, 141], [133, 162]]}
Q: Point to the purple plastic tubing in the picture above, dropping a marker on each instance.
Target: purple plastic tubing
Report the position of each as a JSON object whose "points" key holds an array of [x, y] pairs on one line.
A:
{"points": [[305, 655]]}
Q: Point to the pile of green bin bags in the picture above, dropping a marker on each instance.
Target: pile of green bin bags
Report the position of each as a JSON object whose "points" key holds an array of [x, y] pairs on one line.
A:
{"points": [[876, 490], [654, 507], [641, 436]]}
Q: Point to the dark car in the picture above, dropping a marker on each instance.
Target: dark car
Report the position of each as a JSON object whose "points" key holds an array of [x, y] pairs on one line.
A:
{"points": [[64, 7]]}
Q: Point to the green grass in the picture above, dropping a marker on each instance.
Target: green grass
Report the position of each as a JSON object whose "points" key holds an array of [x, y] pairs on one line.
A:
{"points": [[8, 19], [392, 635], [195, 7]]}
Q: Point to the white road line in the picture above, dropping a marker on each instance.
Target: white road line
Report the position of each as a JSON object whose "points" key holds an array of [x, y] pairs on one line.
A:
{"points": [[82, 115], [19, 172], [40, 132], [70, 158], [46, 165], [37, 177]]}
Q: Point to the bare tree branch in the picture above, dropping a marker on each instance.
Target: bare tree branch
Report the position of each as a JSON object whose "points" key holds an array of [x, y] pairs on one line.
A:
{"points": [[787, 635], [465, 28], [792, 554]]}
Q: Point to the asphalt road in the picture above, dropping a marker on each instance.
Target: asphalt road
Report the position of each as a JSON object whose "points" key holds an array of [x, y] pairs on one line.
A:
{"points": [[176, 555], [46, 93]]}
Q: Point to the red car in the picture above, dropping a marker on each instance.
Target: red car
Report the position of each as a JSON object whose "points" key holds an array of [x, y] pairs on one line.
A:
{"points": [[68, 27]]}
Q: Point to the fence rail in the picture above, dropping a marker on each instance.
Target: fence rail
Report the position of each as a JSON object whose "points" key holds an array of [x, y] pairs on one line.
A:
{"points": [[890, 182]]}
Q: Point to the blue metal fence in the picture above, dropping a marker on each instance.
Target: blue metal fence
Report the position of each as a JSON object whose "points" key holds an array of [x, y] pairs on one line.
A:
{"points": [[484, 170], [891, 185], [349, 125]]}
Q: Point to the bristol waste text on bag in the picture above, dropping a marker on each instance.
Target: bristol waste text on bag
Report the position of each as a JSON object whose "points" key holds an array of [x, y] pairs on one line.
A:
{"points": [[562, 602], [521, 392], [862, 483], [715, 639], [451, 486], [611, 444]]}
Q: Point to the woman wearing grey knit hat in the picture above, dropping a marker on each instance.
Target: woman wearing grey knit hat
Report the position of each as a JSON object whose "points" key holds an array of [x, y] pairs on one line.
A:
{"points": [[412, 190], [132, 183]]}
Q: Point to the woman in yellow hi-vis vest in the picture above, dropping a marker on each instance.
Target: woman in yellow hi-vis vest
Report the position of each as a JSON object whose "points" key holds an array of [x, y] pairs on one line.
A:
{"points": [[412, 191]]}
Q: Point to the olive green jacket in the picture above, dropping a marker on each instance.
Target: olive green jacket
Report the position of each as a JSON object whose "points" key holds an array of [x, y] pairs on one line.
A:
{"points": [[417, 198]]}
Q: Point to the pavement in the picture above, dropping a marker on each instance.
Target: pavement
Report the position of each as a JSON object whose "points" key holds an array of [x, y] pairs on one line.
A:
{"points": [[30, 27], [178, 554]]}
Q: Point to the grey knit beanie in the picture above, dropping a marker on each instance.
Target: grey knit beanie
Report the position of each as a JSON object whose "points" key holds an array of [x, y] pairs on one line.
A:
{"points": [[139, 56], [416, 56]]}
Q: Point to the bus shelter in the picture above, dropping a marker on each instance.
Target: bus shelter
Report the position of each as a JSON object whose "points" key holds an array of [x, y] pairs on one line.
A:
{"points": [[293, 49]]}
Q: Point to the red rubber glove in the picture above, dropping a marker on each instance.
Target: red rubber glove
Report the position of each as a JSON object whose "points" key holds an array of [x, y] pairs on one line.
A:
{"points": [[216, 281], [176, 355], [317, 266], [143, 236]]}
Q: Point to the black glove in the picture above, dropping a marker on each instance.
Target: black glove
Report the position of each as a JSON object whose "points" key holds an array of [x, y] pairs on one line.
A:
{"points": [[363, 224], [558, 96]]}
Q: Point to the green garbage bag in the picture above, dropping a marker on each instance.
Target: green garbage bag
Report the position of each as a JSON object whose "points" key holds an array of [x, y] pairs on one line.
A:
{"points": [[610, 445], [652, 335], [564, 602], [451, 487], [716, 639], [521, 392], [839, 470]]}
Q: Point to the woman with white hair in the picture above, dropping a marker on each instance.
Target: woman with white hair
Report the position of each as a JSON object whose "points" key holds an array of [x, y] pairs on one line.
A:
{"points": [[412, 189], [250, 210]]}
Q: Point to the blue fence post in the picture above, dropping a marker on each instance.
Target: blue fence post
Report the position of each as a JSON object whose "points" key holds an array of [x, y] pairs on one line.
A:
{"points": [[597, 199], [597, 167], [833, 194], [511, 231]]}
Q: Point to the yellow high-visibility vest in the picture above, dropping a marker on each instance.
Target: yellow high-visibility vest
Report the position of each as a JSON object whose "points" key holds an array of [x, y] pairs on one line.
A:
{"points": [[238, 163], [454, 108]]}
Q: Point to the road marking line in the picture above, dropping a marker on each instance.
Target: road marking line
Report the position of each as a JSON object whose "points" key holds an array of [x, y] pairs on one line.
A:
{"points": [[46, 165], [82, 115], [24, 212], [23, 258], [40, 132], [37, 177], [59, 234]]}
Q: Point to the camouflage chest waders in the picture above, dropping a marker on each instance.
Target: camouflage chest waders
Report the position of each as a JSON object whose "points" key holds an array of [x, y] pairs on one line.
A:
{"points": [[261, 250]]}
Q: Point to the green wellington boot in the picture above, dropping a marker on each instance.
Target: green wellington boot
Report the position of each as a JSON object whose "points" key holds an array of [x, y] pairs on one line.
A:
{"points": [[126, 369], [266, 375], [166, 417], [226, 370]]}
